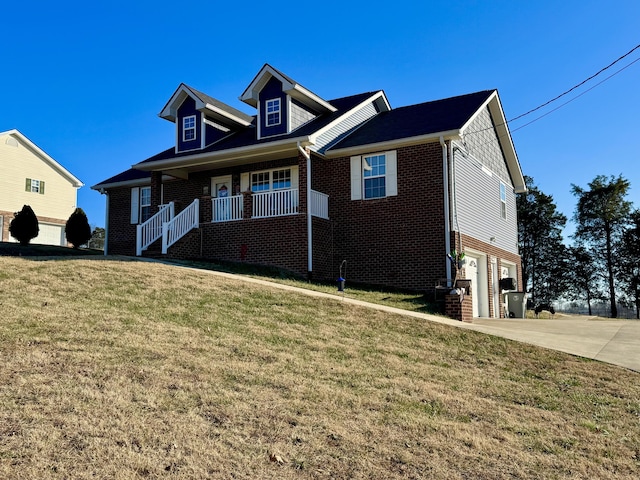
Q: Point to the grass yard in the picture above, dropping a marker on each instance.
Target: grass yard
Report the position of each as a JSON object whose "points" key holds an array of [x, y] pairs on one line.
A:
{"points": [[132, 370]]}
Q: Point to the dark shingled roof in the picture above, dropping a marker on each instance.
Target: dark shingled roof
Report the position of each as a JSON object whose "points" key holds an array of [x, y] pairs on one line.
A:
{"points": [[247, 136], [126, 176], [416, 120], [217, 103]]}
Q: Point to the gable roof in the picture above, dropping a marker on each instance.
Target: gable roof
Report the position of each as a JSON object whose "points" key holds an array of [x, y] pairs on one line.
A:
{"points": [[43, 155], [206, 104], [244, 141], [289, 86], [429, 118], [449, 117]]}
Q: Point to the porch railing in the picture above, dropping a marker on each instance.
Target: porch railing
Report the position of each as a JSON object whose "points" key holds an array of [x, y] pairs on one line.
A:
{"points": [[180, 225], [275, 204], [151, 230], [319, 204], [227, 208]]}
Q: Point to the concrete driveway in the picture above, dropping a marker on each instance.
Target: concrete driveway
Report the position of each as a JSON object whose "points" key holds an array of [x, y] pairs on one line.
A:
{"points": [[607, 340]]}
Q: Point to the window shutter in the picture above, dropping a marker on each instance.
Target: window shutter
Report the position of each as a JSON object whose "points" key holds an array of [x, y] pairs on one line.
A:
{"points": [[135, 204], [356, 178], [27, 187], [41, 187], [295, 183], [392, 173], [244, 182]]}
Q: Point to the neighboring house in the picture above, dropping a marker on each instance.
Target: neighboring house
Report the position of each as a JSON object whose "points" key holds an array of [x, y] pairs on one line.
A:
{"points": [[31, 177], [306, 183]]}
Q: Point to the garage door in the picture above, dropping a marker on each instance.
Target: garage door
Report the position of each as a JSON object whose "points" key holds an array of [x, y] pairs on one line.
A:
{"points": [[50, 235]]}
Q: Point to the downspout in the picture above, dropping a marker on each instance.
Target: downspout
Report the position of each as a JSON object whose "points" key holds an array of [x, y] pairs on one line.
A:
{"points": [[106, 221], [309, 222], [447, 225]]}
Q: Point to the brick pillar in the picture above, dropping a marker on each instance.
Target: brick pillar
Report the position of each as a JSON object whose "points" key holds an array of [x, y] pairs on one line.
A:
{"points": [[247, 204], [156, 191], [302, 183], [206, 206], [459, 310]]}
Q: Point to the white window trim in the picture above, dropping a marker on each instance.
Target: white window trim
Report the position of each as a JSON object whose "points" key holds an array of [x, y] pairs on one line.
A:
{"points": [[137, 205], [267, 113], [184, 128], [391, 175], [503, 201], [294, 179]]}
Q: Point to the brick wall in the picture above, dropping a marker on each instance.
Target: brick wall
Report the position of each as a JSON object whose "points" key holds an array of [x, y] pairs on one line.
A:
{"points": [[490, 251], [395, 241]]}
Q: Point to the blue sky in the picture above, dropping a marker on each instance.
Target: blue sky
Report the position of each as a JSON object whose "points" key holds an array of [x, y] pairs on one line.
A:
{"points": [[86, 80]]}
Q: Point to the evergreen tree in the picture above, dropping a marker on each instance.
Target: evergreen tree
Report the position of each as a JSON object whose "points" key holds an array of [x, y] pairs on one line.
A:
{"points": [[78, 231], [584, 282], [542, 252], [24, 226], [629, 262], [601, 215]]}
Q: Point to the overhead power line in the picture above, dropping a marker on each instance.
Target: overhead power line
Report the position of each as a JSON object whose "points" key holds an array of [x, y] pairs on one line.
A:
{"points": [[571, 99], [579, 84]]}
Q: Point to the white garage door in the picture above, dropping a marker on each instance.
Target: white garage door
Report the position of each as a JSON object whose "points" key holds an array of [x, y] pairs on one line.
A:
{"points": [[50, 235]]}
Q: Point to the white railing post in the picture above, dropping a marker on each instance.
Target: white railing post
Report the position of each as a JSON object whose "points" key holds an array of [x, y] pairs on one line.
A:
{"points": [[151, 230], [165, 235], [138, 240], [180, 225]]}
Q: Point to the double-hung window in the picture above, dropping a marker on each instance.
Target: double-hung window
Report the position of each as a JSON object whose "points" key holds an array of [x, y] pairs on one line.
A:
{"points": [[140, 204], [34, 186], [145, 204], [375, 170], [374, 176], [189, 128], [273, 112], [503, 200]]}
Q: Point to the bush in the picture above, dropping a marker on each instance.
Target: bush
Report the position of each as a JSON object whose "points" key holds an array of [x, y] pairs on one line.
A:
{"points": [[78, 231], [24, 225]]}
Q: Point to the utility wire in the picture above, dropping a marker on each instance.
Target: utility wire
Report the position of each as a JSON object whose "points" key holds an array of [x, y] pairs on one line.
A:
{"points": [[571, 100], [578, 85]]}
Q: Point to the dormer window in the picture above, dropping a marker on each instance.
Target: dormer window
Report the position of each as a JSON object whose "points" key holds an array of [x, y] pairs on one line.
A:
{"points": [[189, 128], [273, 112]]}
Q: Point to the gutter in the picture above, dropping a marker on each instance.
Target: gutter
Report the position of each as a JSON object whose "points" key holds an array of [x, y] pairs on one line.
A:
{"points": [[447, 225], [265, 148]]}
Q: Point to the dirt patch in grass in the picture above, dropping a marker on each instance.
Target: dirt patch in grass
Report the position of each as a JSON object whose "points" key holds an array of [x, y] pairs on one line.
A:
{"points": [[125, 369]]}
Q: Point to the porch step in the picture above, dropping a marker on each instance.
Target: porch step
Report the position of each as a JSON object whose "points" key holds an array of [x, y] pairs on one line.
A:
{"points": [[155, 253]]}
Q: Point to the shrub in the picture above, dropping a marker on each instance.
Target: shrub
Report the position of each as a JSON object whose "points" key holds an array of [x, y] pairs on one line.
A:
{"points": [[24, 225], [78, 231]]}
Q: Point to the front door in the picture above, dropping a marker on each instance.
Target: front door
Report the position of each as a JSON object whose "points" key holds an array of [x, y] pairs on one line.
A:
{"points": [[221, 193], [471, 273]]}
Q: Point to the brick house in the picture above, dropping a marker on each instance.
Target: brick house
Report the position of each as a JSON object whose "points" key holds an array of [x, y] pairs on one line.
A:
{"points": [[306, 183]]}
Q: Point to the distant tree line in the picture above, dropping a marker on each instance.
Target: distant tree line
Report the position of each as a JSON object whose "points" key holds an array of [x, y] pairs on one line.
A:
{"points": [[601, 263]]}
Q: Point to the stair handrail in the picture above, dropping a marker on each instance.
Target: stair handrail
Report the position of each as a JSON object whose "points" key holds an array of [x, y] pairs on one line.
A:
{"points": [[180, 225], [151, 230]]}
